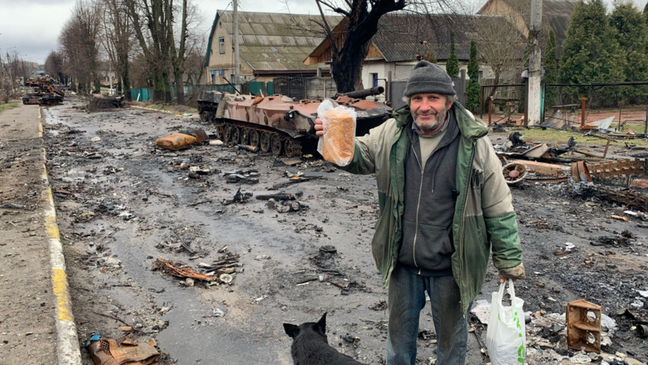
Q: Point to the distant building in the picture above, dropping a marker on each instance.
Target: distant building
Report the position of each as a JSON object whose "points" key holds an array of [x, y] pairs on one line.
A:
{"points": [[555, 15], [404, 39], [270, 45]]}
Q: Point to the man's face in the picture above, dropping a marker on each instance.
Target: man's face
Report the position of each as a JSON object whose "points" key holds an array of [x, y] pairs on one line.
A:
{"points": [[429, 110]]}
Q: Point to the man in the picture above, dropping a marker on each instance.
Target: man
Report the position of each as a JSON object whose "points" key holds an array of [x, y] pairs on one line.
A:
{"points": [[443, 203]]}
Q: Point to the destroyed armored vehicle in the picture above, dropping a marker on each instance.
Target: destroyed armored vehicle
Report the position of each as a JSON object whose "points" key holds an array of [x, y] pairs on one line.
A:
{"points": [[44, 93], [278, 124]]}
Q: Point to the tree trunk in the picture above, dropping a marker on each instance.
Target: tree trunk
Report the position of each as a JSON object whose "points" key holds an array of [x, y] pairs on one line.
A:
{"points": [[125, 77], [167, 86], [158, 85], [179, 86]]}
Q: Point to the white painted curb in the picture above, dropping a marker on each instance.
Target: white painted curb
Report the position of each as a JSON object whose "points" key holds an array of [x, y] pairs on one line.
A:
{"points": [[67, 340]]}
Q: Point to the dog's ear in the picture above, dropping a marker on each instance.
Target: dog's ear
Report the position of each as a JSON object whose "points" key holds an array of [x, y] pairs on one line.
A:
{"points": [[322, 323], [291, 329]]}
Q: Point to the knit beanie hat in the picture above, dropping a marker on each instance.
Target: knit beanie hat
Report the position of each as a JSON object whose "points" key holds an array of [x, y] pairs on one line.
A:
{"points": [[429, 78]]}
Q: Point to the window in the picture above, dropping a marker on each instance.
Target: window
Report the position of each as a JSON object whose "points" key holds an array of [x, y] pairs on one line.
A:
{"points": [[213, 76], [221, 72], [374, 79], [221, 45]]}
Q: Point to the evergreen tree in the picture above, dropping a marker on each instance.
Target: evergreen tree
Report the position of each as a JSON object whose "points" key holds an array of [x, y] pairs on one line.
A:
{"points": [[632, 35], [645, 13], [550, 70], [452, 66], [473, 66], [591, 52], [473, 88]]}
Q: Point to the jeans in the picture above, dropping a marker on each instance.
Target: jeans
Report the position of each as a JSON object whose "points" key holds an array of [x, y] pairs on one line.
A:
{"points": [[406, 300]]}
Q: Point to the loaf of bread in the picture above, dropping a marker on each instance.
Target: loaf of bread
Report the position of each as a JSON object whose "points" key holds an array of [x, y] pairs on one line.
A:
{"points": [[337, 142]]}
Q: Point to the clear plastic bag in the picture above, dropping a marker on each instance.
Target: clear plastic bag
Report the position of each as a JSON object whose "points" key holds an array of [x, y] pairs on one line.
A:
{"points": [[506, 335], [336, 145]]}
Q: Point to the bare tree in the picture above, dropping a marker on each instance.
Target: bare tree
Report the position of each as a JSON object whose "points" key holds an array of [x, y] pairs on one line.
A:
{"points": [[5, 81], [54, 66], [501, 47], [194, 65], [79, 44], [178, 55], [117, 40], [13, 65], [349, 52], [163, 40]]}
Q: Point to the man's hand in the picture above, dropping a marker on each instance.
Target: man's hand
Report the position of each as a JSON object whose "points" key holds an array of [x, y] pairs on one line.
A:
{"points": [[319, 127], [513, 273]]}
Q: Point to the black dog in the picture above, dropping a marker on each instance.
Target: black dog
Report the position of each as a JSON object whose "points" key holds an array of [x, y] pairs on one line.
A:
{"points": [[310, 346]]}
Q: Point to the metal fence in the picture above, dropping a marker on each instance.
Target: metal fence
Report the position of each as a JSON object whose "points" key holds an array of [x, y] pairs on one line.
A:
{"points": [[502, 103], [612, 106]]}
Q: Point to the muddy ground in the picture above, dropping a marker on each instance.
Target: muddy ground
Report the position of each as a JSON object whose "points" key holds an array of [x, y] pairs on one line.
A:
{"points": [[122, 204]]}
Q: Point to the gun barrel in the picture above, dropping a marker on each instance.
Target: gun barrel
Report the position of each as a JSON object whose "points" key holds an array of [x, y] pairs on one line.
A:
{"points": [[366, 92]]}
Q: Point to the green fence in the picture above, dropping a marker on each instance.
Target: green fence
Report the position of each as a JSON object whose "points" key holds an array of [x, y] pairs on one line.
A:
{"points": [[146, 94], [142, 94], [255, 87]]}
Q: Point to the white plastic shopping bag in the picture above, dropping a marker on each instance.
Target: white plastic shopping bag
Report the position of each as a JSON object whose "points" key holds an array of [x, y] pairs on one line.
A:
{"points": [[506, 335]]}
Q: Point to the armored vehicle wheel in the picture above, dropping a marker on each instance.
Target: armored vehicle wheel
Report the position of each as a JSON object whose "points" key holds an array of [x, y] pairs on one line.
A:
{"points": [[218, 132], [254, 138], [245, 136], [276, 145], [287, 147], [265, 141], [235, 135], [227, 134]]}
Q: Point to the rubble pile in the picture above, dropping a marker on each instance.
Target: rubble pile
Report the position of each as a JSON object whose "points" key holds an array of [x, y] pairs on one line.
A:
{"points": [[213, 238]]}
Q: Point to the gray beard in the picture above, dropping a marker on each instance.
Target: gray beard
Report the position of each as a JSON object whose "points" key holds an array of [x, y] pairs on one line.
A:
{"points": [[440, 118]]}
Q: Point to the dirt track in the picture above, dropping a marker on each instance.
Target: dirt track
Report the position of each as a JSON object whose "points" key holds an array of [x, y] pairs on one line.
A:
{"points": [[122, 204]]}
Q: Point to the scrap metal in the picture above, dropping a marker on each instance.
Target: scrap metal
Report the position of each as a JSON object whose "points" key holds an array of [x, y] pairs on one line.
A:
{"points": [[584, 326], [618, 168], [627, 198], [515, 173]]}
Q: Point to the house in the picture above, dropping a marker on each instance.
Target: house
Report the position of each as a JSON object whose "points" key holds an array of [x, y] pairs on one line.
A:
{"points": [[270, 45], [555, 16], [404, 39]]}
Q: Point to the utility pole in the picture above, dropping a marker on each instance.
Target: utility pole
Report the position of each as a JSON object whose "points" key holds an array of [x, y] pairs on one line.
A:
{"points": [[237, 75], [535, 65]]}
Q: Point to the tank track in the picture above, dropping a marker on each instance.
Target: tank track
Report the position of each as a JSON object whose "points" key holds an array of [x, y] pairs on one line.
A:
{"points": [[268, 140], [277, 142]]}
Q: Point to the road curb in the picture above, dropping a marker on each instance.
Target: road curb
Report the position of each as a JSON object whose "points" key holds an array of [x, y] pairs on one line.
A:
{"points": [[67, 345]]}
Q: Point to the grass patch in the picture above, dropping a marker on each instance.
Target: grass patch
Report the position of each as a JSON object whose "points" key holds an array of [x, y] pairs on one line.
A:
{"points": [[173, 108], [9, 105], [552, 136]]}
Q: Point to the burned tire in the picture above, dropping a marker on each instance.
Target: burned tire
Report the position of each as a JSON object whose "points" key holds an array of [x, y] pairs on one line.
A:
{"points": [[265, 141], [276, 144], [254, 138]]}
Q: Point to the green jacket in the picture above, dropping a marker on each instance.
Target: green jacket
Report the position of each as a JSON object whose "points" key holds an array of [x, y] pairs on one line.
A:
{"points": [[483, 216]]}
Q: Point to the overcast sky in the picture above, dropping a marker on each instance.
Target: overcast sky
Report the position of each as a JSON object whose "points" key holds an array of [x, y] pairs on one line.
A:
{"points": [[32, 27]]}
